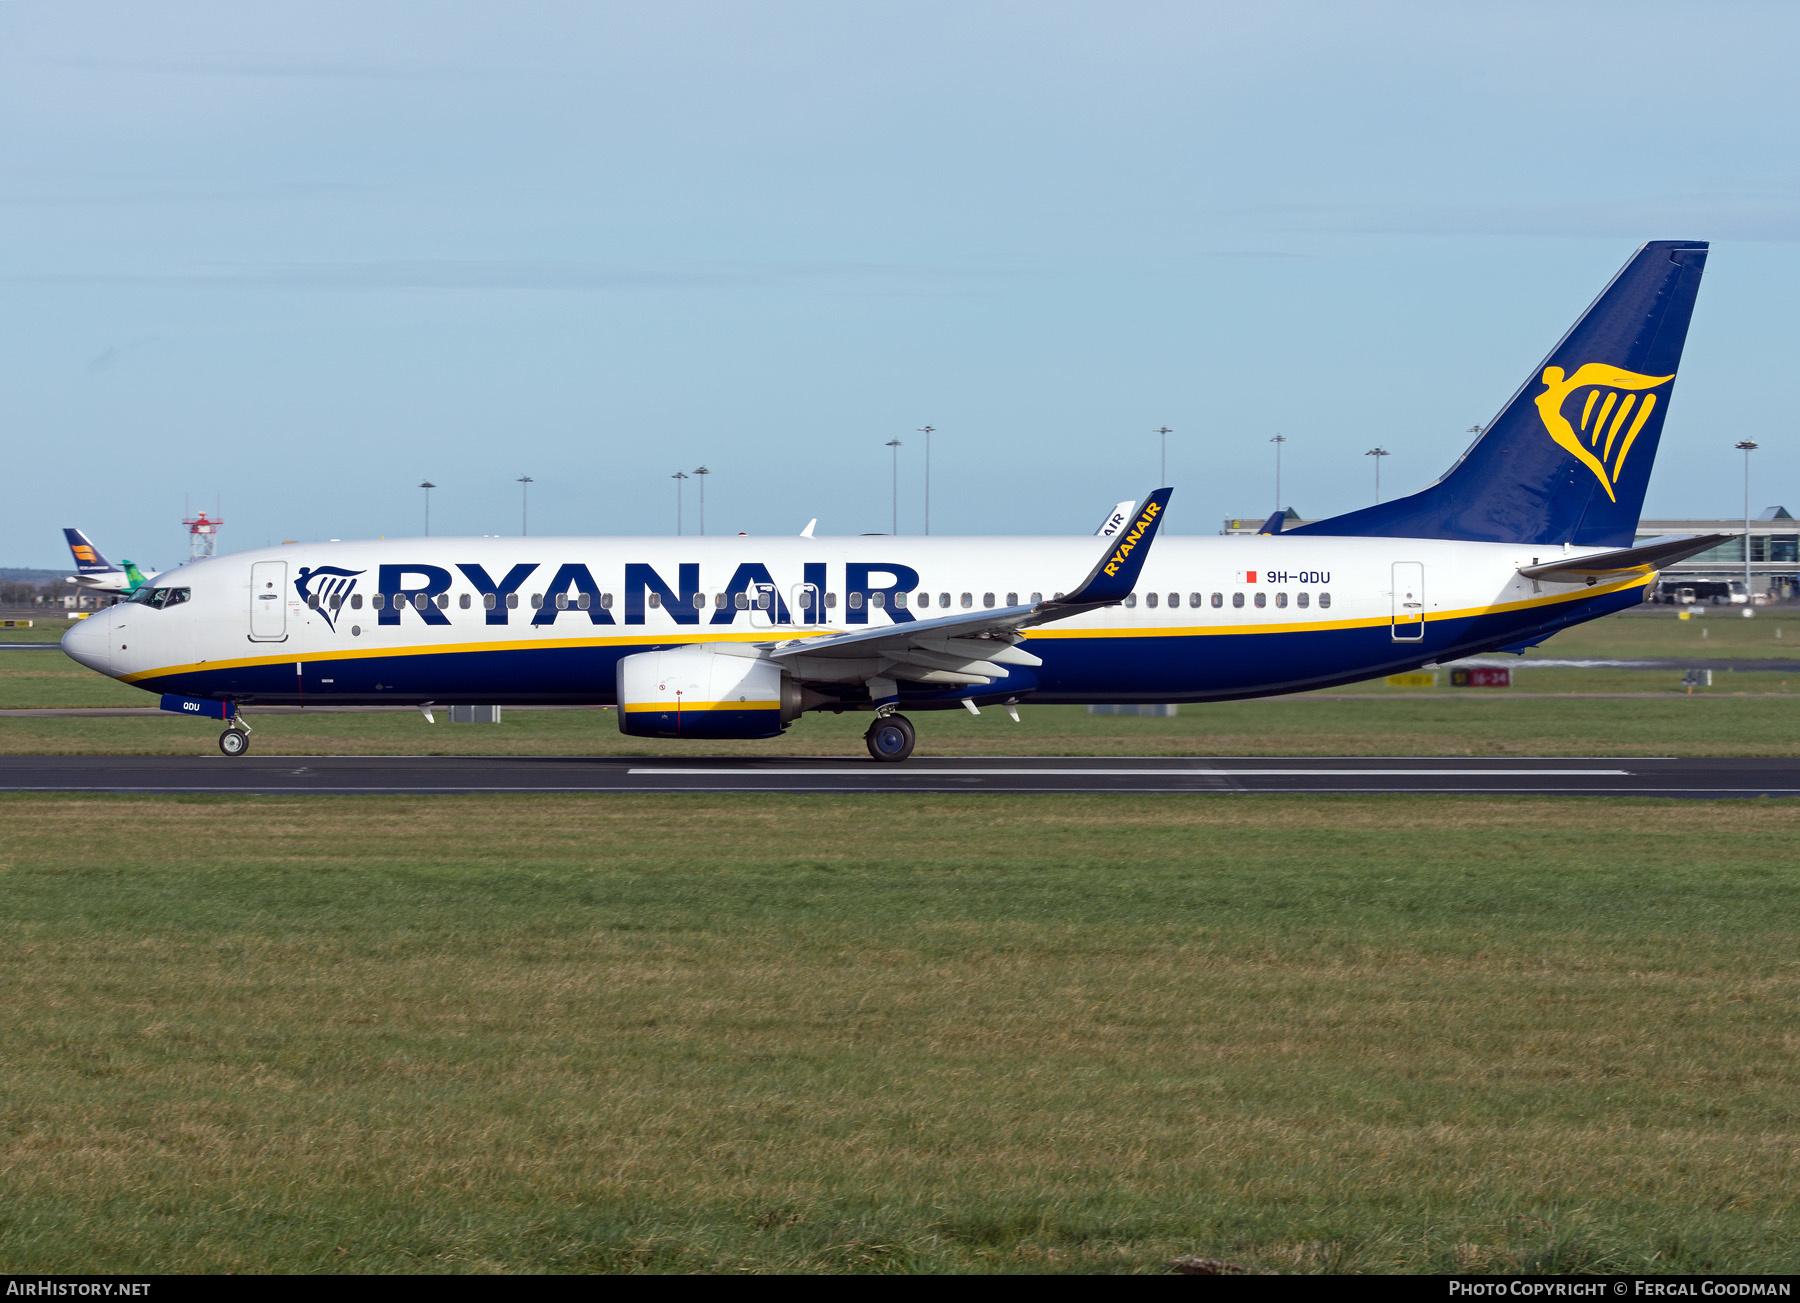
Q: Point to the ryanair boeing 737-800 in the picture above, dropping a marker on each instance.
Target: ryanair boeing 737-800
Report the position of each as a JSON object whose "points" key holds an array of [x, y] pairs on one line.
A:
{"points": [[1530, 532]]}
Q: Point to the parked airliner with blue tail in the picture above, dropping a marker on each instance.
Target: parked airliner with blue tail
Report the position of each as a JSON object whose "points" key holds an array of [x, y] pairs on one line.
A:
{"points": [[1530, 532]]}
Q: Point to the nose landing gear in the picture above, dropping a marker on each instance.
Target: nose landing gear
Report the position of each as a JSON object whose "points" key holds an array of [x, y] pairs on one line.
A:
{"points": [[235, 740], [890, 738]]}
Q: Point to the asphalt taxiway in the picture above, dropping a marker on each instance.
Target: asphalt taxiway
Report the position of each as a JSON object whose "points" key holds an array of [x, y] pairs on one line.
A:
{"points": [[1713, 777]]}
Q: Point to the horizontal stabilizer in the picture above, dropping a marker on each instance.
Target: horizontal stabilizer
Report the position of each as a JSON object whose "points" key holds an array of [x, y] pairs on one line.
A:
{"points": [[1640, 560]]}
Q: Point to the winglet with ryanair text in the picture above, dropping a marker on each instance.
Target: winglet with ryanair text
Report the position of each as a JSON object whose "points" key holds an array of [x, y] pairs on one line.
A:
{"points": [[1117, 574]]}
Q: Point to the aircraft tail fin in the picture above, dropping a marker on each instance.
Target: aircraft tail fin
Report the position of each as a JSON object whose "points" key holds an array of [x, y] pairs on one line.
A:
{"points": [[1568, 458], [88, 559]]}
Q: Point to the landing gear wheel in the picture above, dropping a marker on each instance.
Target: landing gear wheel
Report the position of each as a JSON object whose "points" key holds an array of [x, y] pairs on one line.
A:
{"points": [[234, 742], [891, 738]]}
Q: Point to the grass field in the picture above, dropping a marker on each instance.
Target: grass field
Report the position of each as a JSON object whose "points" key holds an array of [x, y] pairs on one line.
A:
{"points": [[1743, 714], [1437, 724], [908, 1034]]}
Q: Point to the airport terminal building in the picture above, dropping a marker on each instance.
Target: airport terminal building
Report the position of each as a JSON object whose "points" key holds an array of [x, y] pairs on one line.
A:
{"points": [[1774, 551]]}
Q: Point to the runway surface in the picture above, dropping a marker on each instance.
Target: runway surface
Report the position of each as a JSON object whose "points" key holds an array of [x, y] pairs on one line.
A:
{"points": [[451, 775]]}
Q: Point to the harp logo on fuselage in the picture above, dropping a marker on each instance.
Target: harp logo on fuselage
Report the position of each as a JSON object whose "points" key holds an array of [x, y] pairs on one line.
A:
{"points": [[1611, 416]]}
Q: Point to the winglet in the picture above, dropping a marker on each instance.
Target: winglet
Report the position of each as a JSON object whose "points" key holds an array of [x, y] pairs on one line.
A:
{"points": [[1276, 523], [1117, 573], [807, 532]]}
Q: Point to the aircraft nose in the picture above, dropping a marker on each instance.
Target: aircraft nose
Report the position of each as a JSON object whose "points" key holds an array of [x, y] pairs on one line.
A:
{"points": [[90, 641]]}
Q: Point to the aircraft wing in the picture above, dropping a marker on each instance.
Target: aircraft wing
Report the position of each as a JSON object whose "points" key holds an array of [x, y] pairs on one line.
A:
{"points": [[971, 648], [1621, 562]]}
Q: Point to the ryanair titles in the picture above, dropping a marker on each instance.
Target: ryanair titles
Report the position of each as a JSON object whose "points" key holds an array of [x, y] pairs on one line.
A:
{"points": [[570, 589]]}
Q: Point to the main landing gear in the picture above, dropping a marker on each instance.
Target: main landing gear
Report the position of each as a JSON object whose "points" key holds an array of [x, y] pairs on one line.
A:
{"points": [[890, 738], [235, 740]]}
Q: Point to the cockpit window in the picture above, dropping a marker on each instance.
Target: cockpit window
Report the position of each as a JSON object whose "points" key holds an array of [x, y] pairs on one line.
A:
{"points": [[160, 597]]}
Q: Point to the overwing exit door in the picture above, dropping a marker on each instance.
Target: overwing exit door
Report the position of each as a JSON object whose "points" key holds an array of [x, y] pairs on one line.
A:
{"points": [[268, 601], [1409, 601]]}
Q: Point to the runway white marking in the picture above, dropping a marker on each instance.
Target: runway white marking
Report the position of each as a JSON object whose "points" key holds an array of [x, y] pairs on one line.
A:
{"points": [[866, 771]]}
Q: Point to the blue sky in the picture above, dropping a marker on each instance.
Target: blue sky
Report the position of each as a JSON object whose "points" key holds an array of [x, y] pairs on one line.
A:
{"points": [[304, 256]]}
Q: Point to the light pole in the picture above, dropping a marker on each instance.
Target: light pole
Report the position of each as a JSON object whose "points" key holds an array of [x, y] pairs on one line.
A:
{"points": [[1278, 440], [1163, 471], [678, 477], [1377, 453], [1747, 447], [525, 482], [702, 472], [428, 486], [896, 445], [926, 431]]}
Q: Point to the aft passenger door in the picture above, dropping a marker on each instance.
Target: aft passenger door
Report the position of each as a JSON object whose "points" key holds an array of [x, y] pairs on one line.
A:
{"points": [[268, 601], [1409, 601]]}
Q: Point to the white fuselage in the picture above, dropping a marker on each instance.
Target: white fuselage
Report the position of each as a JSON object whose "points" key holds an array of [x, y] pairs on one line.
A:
{"points": [[1211, 617]]}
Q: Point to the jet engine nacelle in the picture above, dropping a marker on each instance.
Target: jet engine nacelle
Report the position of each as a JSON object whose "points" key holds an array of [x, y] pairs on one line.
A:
{"points": [[703, 692]]}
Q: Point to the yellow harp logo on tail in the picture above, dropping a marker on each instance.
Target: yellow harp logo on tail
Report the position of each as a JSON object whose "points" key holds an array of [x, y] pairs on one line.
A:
{"points": [[1608, 426]]}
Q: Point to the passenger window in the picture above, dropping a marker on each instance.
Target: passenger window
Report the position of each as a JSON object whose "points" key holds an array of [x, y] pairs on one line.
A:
{"points": [[655, 600], [830, 601], [1324, 601], [377, 601], [1036, 598], [443, 601], [740, 601], [1218, 599], [1237, 600], [718, 601], [1174, 599], [337, 601], [877, 600], [899, 599], [699, 602], [1193, 599], [856, 601], [987, 600], [1262, 600], [356, 601], [488, 602], [512, 602], [1300, 599], [606, 601], [312, 599], [1130, 599], [562, 601], [944, 600], [968, 600], [1280, 600], [583, 602], [1012, 599], [1152, 600], [464, 601], [537, 601], [419, 601]]}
